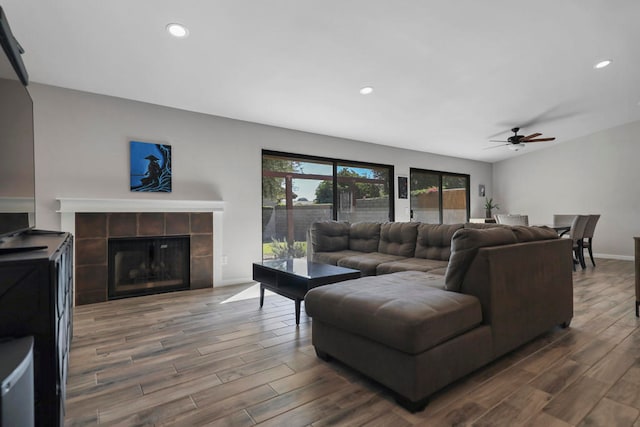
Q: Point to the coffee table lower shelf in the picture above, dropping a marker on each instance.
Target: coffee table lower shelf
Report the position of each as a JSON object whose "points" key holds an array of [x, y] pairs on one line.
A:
{"points": [[293, 278]]}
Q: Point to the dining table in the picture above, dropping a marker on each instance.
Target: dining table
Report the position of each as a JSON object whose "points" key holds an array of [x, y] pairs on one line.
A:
{"points": [[560, 229]]}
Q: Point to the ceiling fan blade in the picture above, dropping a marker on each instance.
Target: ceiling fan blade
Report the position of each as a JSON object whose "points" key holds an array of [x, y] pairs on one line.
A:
{"points": [[528, 137], [496, 140], [540, 140]]}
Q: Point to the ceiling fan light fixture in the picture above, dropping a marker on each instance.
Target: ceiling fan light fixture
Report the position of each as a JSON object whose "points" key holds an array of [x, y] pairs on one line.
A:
{"points": [[177, 30], [516, 147], [602, 64], [367, 90]]}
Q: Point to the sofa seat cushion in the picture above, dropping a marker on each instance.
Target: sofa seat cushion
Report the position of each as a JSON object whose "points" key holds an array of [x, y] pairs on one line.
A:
{"points": [[408, 311], [439, 271], [367, 263], [410, 264], [333, 257]]}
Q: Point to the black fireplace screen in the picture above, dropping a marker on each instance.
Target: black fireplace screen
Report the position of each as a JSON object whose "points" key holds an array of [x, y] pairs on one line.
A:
{"points": [[146, 265]]}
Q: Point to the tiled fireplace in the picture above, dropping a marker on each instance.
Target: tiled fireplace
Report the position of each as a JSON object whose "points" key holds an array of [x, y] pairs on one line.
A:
{"points": [[95, 231], [148, 265]]}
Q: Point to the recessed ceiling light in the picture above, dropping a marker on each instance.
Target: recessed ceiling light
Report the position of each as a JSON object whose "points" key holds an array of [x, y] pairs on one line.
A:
{"points": [[177, 30], [602, 64], [366, 90]]}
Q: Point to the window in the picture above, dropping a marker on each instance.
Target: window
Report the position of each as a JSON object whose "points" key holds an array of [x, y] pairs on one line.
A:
{"points": [[363, 193], [439, 197], [298, 190]]}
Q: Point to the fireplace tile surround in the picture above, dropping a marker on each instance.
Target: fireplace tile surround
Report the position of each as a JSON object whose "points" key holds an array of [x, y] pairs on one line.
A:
{"points": [[93, 231], [94, 221]]}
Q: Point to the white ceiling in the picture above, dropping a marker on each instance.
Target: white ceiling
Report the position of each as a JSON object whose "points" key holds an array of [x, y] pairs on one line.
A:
{"points": [[448, 75]]}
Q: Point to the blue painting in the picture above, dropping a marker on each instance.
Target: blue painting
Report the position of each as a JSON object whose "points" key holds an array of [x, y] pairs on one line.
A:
{"points": [[150, 167]]}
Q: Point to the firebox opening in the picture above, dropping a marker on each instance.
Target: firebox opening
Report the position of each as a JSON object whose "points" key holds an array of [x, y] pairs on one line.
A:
{"points": [[147, 265]]}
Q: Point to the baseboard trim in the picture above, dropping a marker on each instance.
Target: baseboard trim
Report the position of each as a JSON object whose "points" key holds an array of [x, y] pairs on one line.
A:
{"points": [[611, 256], [236, 281]]}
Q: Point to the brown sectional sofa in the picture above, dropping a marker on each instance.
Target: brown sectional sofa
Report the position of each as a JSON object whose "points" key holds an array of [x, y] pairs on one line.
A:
{"points": [[454, 299]]}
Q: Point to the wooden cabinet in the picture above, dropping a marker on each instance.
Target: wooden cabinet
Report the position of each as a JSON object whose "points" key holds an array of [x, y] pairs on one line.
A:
{"points": [[36, 298]]}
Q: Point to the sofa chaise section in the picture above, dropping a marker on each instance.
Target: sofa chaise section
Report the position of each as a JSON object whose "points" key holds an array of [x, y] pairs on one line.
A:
{"points": [[401, 329]]}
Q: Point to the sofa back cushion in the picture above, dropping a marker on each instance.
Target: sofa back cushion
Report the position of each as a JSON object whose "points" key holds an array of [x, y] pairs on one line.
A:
{"points": [[364, 236], [329, 236], [464, 246], [529, 234], [483, 225], [398, 238], [466, 242], [434, 241]]}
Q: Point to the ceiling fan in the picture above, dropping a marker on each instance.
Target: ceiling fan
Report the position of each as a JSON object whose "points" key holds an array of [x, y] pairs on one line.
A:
{"points": [[516, 142]]}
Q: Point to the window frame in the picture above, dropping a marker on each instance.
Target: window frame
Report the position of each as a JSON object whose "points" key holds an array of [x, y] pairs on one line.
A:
{"points": [[441, 175], [335, 163]]}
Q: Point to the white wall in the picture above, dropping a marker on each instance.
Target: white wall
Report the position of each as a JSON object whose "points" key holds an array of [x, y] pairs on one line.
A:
{"points": [[82, 150], [598, 173]]}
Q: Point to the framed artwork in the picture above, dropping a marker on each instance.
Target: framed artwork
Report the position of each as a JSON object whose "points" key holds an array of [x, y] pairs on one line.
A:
{"points": [[150, 167], [481, 190], [402, 187]]}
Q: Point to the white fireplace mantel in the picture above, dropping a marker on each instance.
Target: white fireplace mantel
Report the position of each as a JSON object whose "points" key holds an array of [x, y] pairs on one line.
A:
{"points": [[69, 206], [74, 205]]}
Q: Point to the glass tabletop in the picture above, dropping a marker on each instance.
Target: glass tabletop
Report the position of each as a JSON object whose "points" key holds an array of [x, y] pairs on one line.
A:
{"points": [[302, 267]]}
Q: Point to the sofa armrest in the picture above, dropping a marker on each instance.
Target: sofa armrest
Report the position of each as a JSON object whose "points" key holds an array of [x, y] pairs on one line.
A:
{"points": [[524, 289]]}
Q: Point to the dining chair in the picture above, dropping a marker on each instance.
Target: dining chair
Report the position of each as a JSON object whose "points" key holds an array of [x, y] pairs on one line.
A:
{"points": [[512, 219], [587, 238], [563, 219], [576, 233]]}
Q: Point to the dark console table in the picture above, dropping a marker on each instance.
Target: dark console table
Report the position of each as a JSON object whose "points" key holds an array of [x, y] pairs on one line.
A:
{"points": [[292, 278]]}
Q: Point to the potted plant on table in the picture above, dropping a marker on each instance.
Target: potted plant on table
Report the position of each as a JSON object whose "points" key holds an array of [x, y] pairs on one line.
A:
{"points": [[489, 206]]}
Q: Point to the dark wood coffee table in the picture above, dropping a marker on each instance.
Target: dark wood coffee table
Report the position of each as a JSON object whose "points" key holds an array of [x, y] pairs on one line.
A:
{"points": [[293, 278]]}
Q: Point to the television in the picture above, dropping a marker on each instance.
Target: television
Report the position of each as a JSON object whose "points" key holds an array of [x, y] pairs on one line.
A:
{"points": [[17, 167]]}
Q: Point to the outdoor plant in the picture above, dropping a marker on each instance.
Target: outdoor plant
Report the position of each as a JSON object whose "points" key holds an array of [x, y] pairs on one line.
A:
{"points": [[282, 250]]}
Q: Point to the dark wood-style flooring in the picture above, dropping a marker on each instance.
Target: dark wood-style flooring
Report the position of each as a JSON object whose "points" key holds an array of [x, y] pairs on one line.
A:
{"points": [[193, 358]]}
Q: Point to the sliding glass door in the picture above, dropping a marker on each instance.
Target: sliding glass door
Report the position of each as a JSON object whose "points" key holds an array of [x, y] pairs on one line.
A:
{"points": [[439, 197], [425, 196], [298, 190], [455, 198], [289, 205]]}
